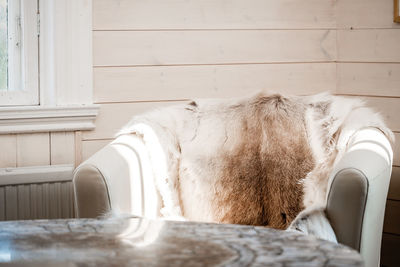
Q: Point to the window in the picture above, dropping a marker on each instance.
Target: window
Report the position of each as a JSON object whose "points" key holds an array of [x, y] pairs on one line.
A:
{"points": [[19, 72], [47, 76]]}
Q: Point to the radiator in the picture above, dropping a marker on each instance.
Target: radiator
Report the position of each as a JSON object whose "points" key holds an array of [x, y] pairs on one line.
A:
{"points": [[44, 192]]}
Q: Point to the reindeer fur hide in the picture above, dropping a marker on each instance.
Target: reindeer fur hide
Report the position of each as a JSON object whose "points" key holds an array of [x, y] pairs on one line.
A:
{"points": [[256, 160]]}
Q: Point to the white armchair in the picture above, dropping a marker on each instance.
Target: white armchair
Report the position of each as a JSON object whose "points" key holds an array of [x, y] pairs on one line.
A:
{"points": [[118, 178]]}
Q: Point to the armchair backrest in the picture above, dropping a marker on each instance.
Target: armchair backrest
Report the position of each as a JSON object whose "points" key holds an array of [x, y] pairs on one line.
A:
{"points": [[117, 178]]}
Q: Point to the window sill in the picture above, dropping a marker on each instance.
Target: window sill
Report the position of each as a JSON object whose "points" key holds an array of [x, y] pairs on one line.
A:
{"points": [[28, 119]]}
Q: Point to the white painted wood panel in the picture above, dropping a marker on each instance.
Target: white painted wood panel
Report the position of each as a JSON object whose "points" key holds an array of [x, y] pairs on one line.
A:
{"points": [[36, 174], [11, 201], [113, 116], [216, 14], [389, 109], [40, 202], [121, 84], [53, 196], [65, 52], [122, 48], [62, 148], [372, 45], [90, 147], [8, 152], [33, 149], [37, 201], [23, 201], [64, 194], [377, 79], [365, 14], [78, 148], [45, 200]]}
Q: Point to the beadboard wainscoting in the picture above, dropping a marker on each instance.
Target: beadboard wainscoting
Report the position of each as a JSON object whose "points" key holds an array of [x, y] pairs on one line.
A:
{"points": [[40, 192]]}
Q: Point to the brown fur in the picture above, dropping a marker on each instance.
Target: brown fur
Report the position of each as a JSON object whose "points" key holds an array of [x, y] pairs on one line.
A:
{"points": [[255, 160], [271, 160]]}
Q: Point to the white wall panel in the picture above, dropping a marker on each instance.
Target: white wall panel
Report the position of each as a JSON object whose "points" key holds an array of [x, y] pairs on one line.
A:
{"points": [[121, 84], [215, 14], [377, 79], [370, 45], [361, 14], [8, 153], [62, 145], [131, 48], [33, 149]]}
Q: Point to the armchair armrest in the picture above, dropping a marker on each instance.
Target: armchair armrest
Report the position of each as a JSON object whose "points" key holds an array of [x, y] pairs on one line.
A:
{"points": [[117, 178], [357, 193]]}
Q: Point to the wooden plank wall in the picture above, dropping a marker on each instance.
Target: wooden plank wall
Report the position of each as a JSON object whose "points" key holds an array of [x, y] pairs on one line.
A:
{"points": [[41, 200], [148, 53], [155, 52], [368, 64], [151, 53], [36, 149]]}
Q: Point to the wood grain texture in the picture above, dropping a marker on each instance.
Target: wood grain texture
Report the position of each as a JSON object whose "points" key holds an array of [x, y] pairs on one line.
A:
{"points": [[34, 201], [371, 50], [389, 108], [38, 192], [11, 202], [121, 84], [8, 154], [46, 201], [127, 48], [392, 217], [372, 45], [33, 149], [394, 188], [390, 256], [217, 14], [112, 117], [37, 201], [23, 202], [90, 147], [368, 79], [66, 208], [52, 201], [62, 148], [365, 14]]}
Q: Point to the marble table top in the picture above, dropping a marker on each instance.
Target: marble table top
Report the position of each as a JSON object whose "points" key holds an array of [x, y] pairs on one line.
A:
{"points": [[141, 242]]}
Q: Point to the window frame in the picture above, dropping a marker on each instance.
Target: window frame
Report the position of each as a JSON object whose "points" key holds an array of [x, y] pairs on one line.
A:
{"points": [[23, 56], [65, 76]]}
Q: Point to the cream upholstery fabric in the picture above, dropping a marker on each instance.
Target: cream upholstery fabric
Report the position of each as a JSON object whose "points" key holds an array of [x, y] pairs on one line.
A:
{"points": [[120, 175], [123, 166], [370, 152]]}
